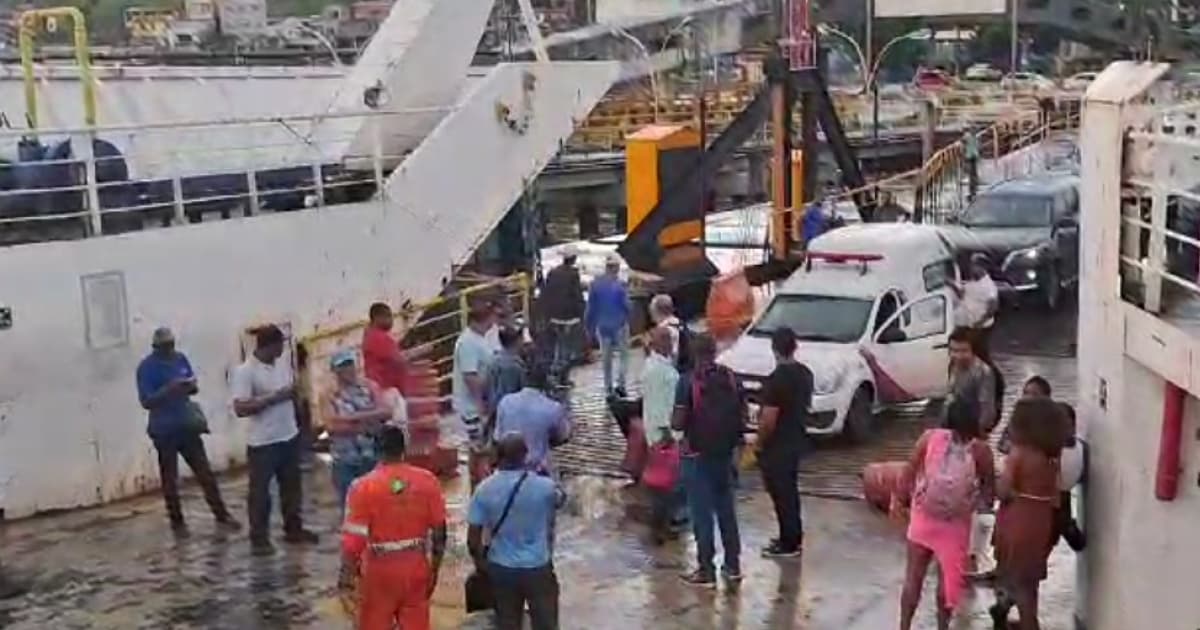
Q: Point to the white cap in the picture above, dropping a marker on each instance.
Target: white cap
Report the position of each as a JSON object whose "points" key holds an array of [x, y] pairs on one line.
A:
{"points": [[612, 260]]}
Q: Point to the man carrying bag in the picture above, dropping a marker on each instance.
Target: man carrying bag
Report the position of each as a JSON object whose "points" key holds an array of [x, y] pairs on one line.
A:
{"points": [[517, 508]]}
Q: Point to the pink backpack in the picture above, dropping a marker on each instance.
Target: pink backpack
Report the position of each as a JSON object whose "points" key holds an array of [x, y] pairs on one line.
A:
{"points": [[662, 467], [948, 486]]}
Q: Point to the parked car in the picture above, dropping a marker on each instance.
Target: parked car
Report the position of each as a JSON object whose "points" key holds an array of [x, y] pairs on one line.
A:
{"points": [[983, 72], [1080, 81], [1029, 228], [1027, 82], [932, 79], [873, 315]]}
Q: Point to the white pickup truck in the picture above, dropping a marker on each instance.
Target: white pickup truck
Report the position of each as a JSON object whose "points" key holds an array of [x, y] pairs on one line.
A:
{"points": [[873, 314]]}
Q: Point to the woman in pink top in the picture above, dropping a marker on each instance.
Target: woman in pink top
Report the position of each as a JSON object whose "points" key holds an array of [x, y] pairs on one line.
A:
{"points": [[952, 472]]}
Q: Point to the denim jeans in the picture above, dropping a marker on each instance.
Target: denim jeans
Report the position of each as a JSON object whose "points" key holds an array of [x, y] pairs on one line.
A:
{"points": [[345, 472], [709, 482], [619, 346]]}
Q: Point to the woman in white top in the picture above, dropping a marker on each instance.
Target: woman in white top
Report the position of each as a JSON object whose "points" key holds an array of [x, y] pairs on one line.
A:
{"points": [[1072, 472]]}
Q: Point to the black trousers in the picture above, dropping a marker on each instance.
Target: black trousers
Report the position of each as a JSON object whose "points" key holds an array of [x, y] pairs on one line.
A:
{"points": [[514, 588], [781, 472], [191, 448], [279, 461], [972, 178]]}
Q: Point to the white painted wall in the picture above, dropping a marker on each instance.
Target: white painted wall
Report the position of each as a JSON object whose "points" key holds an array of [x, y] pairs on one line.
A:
{"points": [[1144, 551], [71, 430], [420, 56], [1138, 571]]}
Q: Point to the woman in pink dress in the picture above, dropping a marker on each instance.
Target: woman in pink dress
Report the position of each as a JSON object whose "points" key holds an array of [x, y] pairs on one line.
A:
{"points": [[952, 472]]}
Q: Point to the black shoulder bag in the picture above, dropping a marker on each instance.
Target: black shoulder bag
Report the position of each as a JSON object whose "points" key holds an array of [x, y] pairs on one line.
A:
{"points": [[478, 588]]}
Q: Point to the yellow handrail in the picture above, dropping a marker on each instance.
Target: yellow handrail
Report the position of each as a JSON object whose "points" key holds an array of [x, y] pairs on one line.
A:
{"points": [[519, 280], [83, 57]]}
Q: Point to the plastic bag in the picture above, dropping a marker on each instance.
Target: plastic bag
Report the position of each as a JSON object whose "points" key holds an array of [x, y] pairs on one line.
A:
{"points": [[885, 486], [730, 305]]}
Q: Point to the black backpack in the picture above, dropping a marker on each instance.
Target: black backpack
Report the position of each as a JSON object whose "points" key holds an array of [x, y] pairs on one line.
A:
{"points": [[683, 353], [717, 415]]}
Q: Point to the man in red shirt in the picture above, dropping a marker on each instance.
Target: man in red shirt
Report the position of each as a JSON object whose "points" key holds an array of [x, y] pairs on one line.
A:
{"points": [[393, 540], [384, 361]]}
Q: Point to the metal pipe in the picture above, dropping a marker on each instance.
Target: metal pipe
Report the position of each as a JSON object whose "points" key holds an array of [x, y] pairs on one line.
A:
{"points": [[83, 58], [637, 43], [1166, 482]]}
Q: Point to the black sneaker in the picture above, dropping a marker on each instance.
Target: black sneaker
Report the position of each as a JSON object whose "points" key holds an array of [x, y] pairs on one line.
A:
{"points": [[261, 548], [301, 537], [700, 578], [999, 615], [228, 524], [733, 577], [776, 550], [1075, 537]]}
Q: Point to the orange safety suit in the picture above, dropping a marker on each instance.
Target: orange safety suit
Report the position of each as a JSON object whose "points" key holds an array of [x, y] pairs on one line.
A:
{"points": [[389, 515]]}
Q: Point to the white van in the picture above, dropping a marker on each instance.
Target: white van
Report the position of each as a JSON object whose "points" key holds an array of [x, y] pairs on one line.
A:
{"points": [[873, 315]]}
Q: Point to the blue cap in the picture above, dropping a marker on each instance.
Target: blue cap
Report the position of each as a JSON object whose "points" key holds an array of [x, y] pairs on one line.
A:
{"points": [[342, 358]]}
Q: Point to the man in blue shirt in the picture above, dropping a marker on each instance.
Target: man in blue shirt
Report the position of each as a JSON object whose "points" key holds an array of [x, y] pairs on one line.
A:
{"points": [[607, 321], [166, 383], [539, 419], [816, 221], [517, 508]]}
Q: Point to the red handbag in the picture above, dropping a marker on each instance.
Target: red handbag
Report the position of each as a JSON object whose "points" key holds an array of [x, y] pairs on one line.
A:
{"points": [[662, 467], [635, 449]]}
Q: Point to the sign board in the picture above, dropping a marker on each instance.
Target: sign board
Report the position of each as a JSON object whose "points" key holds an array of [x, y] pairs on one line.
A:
{"points": [[105, 310], [931, 8]]}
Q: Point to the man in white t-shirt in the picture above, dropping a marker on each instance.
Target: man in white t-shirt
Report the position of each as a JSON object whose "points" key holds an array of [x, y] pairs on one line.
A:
{"points": [[264, 392], [978, 302]]}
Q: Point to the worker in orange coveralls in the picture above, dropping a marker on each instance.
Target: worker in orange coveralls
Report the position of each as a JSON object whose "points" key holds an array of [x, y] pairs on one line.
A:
{"points": [[393, 540]]}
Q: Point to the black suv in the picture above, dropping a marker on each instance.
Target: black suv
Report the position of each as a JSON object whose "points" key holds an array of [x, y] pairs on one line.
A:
{"points": [[1029, 229]]}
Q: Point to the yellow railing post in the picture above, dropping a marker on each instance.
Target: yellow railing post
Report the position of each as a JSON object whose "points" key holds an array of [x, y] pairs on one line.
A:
{"points": [[83, 58], [463, 308]]}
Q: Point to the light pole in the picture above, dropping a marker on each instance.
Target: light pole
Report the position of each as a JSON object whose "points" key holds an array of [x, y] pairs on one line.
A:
{"points": [[917, 35], [1015, 57], [863, 63], [873, 77], [620, 32], [322, 39], [675, 30]]}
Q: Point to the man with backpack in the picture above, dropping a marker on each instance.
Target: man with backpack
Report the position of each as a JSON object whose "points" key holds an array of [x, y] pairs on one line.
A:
{"points": [[710, 410]]}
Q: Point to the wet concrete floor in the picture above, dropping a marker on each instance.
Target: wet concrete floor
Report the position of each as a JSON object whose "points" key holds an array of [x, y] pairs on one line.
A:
{"points": [[118, 567]]}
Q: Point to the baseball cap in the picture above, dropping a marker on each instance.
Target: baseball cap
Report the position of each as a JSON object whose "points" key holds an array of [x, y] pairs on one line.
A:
{"points": [[342, 358]]}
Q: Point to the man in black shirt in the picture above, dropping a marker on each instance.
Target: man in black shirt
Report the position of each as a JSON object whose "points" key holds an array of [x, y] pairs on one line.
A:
{"points": [[782, 440]]}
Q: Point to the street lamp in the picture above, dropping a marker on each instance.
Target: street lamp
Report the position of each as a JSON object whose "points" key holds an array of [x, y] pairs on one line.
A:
{"points": [[620, 32], [675, 30], [825, 29], [321, 39], [917, 35]]}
